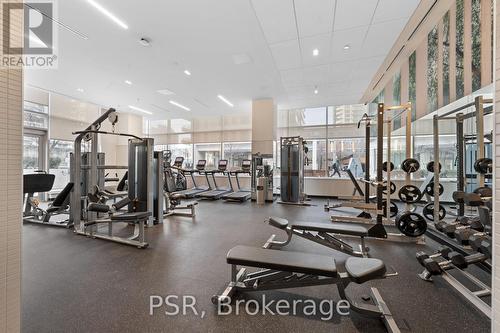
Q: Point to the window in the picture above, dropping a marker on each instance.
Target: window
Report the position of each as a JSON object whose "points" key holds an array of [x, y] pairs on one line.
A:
{"points": [[460, 49], [345, 114], [476, 44], [183, 150], [236, 152], [36, 115], [412, 84], [424, 153], [316, 158], [446, 58], [432, 77], [307, 117], [396, 97], [31, 154], [208, 151], [59, 152], [342, 150]]}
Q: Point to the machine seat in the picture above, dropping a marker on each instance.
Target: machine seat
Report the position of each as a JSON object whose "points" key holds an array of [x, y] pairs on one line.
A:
{"points": [[295, 262], [278, 222], [364, 269], [338, 228], [131, 217]]}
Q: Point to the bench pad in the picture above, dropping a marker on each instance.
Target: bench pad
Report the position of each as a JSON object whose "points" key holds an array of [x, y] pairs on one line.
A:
{"points": [[131, 217], [278, 222], [337, 228], [364, 269], [287, 261]]}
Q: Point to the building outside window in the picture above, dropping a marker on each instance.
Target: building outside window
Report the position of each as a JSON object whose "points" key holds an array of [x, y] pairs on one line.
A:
{"points": [[59, 154], [208, 151], [236, 152], [183, 150]]}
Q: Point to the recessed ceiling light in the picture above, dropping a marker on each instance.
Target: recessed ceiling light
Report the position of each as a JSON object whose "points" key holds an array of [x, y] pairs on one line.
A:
{"points": [[108, 14], [316, 91], [347, 47], [165, 92], [188, 73], [80, 90], [315, 52], [128, 82], [180, 105], [144, 41], [224, 99], [140, 110]]}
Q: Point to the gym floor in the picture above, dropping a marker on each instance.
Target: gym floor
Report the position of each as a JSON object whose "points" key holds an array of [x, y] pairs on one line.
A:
{"points": [[74, 284]]}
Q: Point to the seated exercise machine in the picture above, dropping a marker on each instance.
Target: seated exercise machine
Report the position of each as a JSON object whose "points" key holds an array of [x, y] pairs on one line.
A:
{"points": [[140, 185], [120, 191], [138, 219], [196, 189], [217, 192], [321, 233], [40, 183], [241, 194], [285, 269], [167, 200]]}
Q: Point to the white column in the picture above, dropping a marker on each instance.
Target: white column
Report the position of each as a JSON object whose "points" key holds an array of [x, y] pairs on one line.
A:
{"points": [[263, 129]]}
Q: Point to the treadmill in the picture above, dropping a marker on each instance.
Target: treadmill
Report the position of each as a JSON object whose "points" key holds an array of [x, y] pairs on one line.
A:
{"points": [[242, 194], [192, 192], [217, 192]]}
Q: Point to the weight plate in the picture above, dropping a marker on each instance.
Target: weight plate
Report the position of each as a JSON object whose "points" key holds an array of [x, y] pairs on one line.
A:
{"points": [[483, 165], [384, 186], [384, 166], [410, 194], [393, 210], [429, 189], [430, 167], [410, 165], [428, 212], [411, 224]]}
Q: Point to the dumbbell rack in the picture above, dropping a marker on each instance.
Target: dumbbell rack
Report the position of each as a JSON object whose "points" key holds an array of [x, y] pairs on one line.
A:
{"points": [[459, 117]]}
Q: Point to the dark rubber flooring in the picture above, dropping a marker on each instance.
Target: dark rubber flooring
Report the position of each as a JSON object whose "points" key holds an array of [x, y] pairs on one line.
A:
{"points": [[74, 284]]}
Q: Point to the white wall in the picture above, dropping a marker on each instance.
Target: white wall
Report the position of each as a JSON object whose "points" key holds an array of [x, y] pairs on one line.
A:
{"points": [[496, 174], [11, 149]]}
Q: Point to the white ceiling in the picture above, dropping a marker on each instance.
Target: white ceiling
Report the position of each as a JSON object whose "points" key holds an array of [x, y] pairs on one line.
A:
{"points": [[273, 38]]}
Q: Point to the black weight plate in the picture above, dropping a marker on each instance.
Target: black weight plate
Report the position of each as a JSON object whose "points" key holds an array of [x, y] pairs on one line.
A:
{"points": [[384, 186], [483, 165], [411, 224], [384, 166], [429, 189], [410, 165], [393, 211], [430, 167], [409, 194], [428, 212]]}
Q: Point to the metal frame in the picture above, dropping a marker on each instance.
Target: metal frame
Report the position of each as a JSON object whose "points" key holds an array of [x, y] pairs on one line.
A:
{"points": [[302, 197], [267, 279], [137, 239], [322, 238]]}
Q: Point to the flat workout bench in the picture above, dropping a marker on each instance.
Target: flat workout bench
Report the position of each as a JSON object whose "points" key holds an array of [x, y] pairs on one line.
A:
{"points": [[285, 269], [321, 233]]}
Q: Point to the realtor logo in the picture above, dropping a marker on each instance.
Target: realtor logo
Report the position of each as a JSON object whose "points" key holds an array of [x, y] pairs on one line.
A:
{"points": [[33, 44]]}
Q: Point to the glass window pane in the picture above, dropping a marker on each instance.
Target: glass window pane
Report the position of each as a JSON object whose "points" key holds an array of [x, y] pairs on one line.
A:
{"points": [[476, 44], [35, 120], [59, 151], [35, 107], [341, 151], [208, 151], [316, 158], [183, 150], [31, 149], [307, 117], [396, 89], [236, 152], [346, 114], [460, 49], [446, 58], [424, 152], [179, 126], [432, 80], [412, 84]]}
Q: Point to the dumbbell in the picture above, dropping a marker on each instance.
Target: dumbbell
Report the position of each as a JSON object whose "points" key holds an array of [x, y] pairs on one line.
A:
{"points": [[443, 251], [474, 224], [433, 267], [481, 243]]}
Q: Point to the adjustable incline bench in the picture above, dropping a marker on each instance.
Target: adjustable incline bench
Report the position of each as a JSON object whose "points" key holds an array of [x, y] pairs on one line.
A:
{"points": [[285, 269], [321, 233]]}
